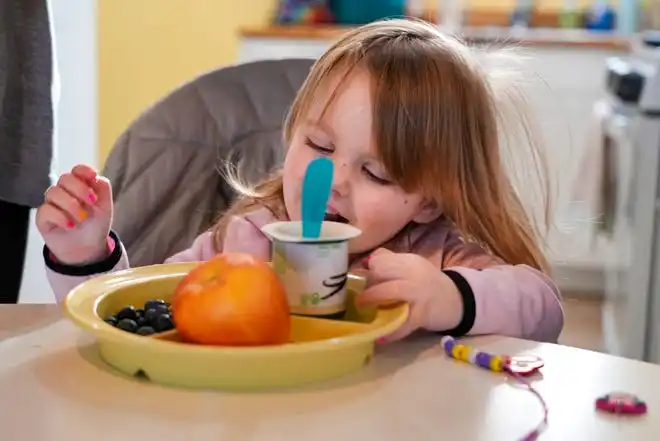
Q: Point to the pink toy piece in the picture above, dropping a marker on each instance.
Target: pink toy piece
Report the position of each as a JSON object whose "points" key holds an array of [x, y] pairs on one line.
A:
{"points": [[523, 365], [621, 403]]}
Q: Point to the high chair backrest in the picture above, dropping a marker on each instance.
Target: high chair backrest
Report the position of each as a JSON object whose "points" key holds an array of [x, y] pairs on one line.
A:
{"points": [[165, 167]]}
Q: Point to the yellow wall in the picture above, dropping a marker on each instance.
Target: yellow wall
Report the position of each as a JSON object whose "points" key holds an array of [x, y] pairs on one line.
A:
{"points": [[149, 47]]}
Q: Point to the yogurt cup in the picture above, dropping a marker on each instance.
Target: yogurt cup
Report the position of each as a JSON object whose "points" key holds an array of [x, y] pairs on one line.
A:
{"points": [[314, 271]]}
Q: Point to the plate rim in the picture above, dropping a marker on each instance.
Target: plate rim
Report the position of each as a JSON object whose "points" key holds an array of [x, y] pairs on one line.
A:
{"points": [[95, 289]]}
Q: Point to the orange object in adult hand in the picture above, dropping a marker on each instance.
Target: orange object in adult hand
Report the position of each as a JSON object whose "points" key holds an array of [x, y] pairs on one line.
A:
{"points": [[232, 300]]}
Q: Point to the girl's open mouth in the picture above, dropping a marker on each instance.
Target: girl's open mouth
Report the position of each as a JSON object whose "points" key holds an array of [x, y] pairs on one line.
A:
{"points": [[334, 217]]}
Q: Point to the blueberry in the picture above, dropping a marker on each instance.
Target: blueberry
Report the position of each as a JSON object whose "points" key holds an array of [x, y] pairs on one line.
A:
{"points": [[156, 304], [139, 312], [112, 320], [163, 323], [142, 321], [127, 325], [127, 312], [150, 315], [162, 308], [145, 330]]}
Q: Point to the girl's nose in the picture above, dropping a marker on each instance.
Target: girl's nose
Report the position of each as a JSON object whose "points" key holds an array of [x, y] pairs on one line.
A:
{"points": [[340, 178]]}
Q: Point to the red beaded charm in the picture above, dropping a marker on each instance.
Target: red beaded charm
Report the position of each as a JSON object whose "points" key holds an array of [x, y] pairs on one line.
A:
{"points": [[523, 365]]}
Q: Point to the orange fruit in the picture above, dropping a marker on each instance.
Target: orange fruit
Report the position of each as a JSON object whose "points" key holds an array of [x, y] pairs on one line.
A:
{"points": [[232, 300]]}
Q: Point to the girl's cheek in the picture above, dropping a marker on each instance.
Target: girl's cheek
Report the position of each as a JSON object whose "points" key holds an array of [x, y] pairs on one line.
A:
{"points": [[367, 201], [364, 211]]}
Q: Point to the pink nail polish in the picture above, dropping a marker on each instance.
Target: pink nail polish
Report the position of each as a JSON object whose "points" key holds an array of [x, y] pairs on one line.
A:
{"points": [[92, 197], [366, 260], [381, 340], [70, 224]]}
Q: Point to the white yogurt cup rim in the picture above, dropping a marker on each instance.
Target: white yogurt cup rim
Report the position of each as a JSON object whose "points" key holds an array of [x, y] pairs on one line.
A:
{"points": [[291, 231]]}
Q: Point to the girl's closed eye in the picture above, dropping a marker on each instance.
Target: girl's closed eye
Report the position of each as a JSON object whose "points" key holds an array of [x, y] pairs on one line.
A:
{"points": [[317, 147], [375, 178]]}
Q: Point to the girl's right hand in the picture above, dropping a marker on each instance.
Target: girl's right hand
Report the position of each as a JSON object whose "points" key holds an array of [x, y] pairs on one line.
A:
{"points": [[75, 218]]}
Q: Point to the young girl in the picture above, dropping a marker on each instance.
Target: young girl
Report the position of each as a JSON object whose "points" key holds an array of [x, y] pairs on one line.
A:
{"points": [[409, 118]]}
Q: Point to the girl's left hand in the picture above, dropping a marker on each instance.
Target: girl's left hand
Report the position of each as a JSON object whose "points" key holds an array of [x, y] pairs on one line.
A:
{"points": [[435, 303]]}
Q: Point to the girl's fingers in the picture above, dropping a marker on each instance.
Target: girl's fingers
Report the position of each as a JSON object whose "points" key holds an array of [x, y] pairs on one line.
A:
{"points": [[65, 202], [70, 201], [404, 331], [78, 189], [49, 216], [85, 173], [384, 266], [101, 190], [385, 294]]}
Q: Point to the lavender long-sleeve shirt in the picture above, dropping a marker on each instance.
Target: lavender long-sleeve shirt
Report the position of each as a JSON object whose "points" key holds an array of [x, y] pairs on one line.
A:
{"points": [[511, 300]]}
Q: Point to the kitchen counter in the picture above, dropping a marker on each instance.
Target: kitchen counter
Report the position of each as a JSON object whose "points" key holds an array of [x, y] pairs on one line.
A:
{"points": [[55, 387], [525, 37]]}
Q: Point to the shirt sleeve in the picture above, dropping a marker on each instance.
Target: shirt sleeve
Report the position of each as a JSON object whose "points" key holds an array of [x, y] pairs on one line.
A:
{"points": [[63, 278], [510, 300]]}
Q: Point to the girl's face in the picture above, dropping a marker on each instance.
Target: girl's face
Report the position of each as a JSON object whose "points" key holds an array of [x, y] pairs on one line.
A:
{"points": [[362, 192]]}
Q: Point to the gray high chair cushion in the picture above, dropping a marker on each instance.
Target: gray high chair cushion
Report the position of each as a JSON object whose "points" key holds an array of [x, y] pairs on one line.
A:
{"points": [[164, 167]]}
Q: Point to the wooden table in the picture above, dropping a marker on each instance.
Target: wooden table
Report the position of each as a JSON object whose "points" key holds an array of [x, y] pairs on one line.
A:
{"points": [[53, 387]]}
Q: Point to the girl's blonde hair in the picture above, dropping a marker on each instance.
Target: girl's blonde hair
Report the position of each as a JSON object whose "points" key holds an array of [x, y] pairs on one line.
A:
{"points": [[437, 117]]}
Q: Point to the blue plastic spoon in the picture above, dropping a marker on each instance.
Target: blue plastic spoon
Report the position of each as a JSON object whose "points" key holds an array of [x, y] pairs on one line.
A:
{"points": [[317, 185]]}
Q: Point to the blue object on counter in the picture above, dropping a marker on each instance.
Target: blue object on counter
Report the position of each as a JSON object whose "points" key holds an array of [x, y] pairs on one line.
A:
{"points": [[359, 12], [600, 17]]}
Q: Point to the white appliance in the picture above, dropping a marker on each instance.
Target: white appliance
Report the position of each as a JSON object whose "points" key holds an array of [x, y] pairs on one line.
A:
{"points": [[630, 227]]}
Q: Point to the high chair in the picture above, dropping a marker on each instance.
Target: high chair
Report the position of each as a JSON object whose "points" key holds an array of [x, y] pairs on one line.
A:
{"points": [[164, 168]]}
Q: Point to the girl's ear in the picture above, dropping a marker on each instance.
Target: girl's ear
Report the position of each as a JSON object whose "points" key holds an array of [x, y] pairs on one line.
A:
{"points": [[429, 211]]}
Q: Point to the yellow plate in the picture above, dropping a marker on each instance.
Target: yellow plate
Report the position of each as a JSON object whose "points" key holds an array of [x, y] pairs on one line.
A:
{"points": [[321, 349]]}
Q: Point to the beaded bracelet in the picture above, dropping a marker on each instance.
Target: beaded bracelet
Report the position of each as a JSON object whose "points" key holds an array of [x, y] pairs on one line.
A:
{"points": [[518, 367]]}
